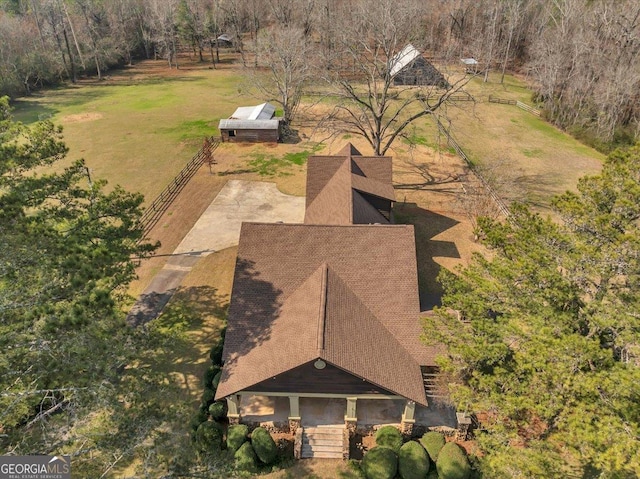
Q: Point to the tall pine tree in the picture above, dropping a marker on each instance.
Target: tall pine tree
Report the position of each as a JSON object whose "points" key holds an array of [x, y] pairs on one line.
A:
{"points": [[549, 357], [66, 257]]}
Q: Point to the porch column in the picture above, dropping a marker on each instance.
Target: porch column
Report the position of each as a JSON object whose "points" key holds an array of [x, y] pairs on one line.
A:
{"points": [[408, 418], [233, 409], [294, 413], [351, 418]]}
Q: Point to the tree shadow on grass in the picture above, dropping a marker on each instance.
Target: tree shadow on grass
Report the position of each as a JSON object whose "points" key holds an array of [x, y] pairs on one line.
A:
{"points": [[428, 225], [192, 321], [161, 385], [425, 177]]}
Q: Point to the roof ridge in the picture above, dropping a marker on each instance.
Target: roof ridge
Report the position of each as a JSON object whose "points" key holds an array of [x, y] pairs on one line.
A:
{"points": [[323, 225], [335, 173], [392, 345], [322, 313]]}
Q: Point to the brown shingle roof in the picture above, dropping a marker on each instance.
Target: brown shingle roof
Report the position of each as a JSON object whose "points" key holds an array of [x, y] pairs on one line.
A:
{"points": [[331, 181], [347, 294]]}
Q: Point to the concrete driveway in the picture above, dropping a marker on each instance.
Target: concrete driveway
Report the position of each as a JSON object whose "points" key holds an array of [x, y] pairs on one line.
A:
{"points": [[218, 228]]}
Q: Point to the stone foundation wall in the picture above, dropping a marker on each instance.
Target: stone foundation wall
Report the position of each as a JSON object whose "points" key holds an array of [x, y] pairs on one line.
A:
{"points": [[417, 430], [297, 444], [346, 444], [271, 426]]}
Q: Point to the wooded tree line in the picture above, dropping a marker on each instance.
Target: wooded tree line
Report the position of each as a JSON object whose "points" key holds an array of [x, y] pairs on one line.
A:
{"points": [[581, 57], [548, 354]]}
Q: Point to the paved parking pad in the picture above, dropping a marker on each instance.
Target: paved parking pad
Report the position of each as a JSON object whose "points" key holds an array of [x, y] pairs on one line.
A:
{"points": [[218, 228]]}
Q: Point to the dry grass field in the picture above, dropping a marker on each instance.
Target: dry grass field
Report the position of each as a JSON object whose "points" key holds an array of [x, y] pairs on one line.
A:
{"points": [[139, 127], [533, 159]]}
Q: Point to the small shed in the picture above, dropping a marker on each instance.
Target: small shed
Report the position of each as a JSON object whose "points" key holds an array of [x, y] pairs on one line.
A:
{"points": [[409, 67], [470, 65], [225, 40], [253, 124]]}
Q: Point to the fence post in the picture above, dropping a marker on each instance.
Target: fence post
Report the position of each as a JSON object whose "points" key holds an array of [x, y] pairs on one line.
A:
{"points": [[171, 191]]}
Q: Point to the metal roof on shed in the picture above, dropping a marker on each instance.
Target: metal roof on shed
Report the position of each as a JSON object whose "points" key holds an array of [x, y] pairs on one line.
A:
{"points": [[402, 59], [232, 124], [264, 111]]}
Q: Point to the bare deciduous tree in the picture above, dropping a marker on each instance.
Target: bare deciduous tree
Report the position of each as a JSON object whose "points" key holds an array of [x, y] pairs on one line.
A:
{"points": [[289, 63], [358, 72]]}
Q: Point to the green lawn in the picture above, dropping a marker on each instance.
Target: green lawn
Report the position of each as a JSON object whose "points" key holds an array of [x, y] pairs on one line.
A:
{"points": [[138, 131]]}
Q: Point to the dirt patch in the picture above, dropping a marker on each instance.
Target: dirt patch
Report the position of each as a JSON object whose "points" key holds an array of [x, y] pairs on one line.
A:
{"points": [[368, 442], [316, 469], [81, 117]]}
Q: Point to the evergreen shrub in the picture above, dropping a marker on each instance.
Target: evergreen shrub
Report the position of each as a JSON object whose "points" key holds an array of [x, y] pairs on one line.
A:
{"points": [[380, 463], [413, 461], [433, 441], [389, 436], [246, 459], [264, 445], [453, 463], [236, 436]]}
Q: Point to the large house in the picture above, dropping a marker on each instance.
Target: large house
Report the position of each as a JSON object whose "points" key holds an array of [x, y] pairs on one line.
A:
{"points": [[329, 309]]}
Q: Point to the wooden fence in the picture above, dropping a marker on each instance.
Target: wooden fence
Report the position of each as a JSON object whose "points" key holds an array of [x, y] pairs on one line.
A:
{"points": [[502, 101], [502, 206], [528, 108], [519, 104], [162, 202], [462, 96]]}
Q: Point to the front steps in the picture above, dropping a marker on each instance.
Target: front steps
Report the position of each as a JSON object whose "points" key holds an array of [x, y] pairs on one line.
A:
{"points": [[323, 442]]}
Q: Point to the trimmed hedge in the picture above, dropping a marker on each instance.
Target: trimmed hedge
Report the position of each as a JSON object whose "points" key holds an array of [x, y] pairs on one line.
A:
{"points": [[200, 417], [236, 436], [389, 436], [264, 445], [413, 461], [209, 437], [215, 354], [433, 474], [433, 441], [380, 463], [209, 374], [246, 459], [217, 410], [453, 463], [216, 380], [208, 396]]}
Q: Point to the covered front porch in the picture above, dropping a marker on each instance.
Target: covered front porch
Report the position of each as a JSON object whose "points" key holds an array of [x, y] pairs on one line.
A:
{"points": [[361, 412]]}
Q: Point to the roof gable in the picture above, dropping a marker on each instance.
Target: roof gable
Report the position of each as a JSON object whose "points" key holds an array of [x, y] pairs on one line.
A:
{"points": [[306, 288], [402, 59], [307, 378], [331, 204], [364, 212], [332, 181], [264, 111], [355, 340], [251, 358]]}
